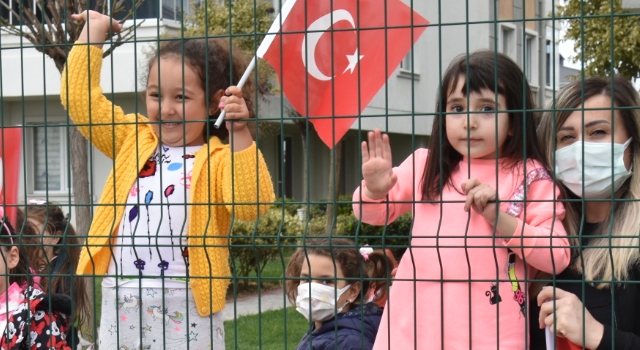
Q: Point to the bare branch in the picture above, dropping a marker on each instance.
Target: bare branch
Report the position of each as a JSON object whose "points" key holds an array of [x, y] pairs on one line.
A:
{"points": [[122, 37], [131, 12]]}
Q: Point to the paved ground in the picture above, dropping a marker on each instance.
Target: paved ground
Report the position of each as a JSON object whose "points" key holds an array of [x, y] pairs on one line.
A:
{"points": [[272, 300]]}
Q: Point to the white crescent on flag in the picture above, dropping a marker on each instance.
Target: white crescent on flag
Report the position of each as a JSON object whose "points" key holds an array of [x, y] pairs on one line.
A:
{"points": [[315, 32]]}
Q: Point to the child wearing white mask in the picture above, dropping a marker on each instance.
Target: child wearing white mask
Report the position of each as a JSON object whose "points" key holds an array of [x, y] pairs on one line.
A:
{"points": [[324, 280], [593, 136]]}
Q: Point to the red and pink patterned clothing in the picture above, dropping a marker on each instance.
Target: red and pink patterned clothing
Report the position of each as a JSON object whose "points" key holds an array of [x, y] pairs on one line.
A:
{"points": [[458, 286]]}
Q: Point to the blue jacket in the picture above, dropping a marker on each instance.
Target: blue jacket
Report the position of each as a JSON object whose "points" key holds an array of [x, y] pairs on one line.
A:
{"points": [[356, 330]]}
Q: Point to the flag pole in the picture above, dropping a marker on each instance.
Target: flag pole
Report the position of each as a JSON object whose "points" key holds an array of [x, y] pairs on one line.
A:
{"points": [[243, 80], [264, 46]]}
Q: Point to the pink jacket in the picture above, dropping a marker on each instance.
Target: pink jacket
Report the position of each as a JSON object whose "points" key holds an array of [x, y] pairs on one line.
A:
{"points": [[458, 285]]}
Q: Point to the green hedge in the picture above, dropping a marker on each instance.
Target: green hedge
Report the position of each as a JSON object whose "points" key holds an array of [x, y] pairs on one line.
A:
{"points": [[277, 232]]}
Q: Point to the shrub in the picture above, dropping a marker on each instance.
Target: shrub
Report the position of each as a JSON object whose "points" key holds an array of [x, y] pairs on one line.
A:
{"points": [[343, 207], [255, 243], [395, 236]]}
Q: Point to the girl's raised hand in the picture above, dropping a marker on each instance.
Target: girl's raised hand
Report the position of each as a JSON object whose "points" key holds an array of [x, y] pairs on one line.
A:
{"points": [[565, 314], [377, 170], [98, 25], [235, 107]]}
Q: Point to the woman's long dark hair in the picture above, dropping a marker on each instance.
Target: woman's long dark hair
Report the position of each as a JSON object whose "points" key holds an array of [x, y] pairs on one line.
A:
{"points": [[482, 70]]}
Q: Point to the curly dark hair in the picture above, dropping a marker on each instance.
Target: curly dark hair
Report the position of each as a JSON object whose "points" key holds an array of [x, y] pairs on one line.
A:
{"points": [[218, 64]]}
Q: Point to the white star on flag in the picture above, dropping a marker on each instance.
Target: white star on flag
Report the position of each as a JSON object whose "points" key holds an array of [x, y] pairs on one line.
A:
{"points": [[353, 61]]}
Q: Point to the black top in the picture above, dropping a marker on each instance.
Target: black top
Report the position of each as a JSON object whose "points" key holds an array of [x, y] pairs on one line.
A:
{"points": [[355, 329], [621, 324]]}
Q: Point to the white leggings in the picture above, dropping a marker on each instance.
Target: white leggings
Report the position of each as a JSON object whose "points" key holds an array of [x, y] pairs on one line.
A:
{"points": [[156, 318]]}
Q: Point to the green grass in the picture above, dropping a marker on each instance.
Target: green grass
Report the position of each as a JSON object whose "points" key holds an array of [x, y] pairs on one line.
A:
{"points": [[274, 271], [266, 330]]}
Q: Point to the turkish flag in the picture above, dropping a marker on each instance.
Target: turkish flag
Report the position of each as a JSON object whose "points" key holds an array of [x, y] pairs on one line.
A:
{"points": [[333, 56], [10, 143], [562, 344]]}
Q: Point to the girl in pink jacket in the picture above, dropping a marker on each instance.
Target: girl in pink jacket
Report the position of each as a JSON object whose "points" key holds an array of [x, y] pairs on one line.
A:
{"points": [[486, 219]]}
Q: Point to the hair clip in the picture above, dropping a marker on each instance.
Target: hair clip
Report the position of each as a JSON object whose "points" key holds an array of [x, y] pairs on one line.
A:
{"points": [[365, 251], [37, 201]]}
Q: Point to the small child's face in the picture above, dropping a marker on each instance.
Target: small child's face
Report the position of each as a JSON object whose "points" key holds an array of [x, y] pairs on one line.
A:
{"points": [[322, 269], [49, 240], [180, 108], [8, 260], [474, 135]]}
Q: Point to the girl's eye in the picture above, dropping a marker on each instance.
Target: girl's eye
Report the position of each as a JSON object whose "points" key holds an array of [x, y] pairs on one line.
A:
{"points": [[153, 94], [598, 132], [181, 97], [486, 109], [327, 282], [457, 109]]}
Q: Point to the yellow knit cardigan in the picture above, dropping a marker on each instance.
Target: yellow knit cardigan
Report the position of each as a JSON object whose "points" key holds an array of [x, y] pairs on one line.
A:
{"points": [[219, 176]]}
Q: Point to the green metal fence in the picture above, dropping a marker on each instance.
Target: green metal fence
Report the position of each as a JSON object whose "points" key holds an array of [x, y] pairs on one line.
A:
{"points": [[200, 241]]}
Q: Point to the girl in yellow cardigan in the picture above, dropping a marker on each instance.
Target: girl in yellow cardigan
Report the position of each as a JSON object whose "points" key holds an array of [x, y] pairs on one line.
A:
{"points": [[160, 233]]}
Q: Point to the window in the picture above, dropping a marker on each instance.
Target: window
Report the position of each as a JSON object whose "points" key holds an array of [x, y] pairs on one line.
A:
{"points": [[407, 69], [507, 40], [171, 9], [548, 64], [50, 169], [148, 9], [530, 57], [406, 65], [13, 19]]}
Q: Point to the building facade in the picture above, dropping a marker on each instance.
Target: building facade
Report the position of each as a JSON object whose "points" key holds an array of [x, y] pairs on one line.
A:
{"points": [[404, 107]]}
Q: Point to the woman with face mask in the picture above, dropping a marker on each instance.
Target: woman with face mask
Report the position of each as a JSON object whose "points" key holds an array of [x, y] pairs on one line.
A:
{"points": [[592, 137], [324, 282]]}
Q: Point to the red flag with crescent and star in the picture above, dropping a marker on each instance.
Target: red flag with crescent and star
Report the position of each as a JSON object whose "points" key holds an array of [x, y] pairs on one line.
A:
{"points": [[332, 57]]}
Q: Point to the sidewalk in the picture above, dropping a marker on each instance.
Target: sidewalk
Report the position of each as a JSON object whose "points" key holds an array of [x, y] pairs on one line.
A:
{"points": [[251, 305]]}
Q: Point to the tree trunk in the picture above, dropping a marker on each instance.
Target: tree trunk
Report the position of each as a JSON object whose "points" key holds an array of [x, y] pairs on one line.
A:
{"points": [[305, 174], [335, 168], [82, 208], [80, 167]]}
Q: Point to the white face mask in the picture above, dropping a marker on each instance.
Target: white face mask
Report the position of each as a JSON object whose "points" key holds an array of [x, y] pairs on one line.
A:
{"points": [[323, 301], [594, 170]]}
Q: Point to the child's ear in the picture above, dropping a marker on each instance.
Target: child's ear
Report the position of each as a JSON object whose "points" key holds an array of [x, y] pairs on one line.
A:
{"points": [[354, 292], [57, 237], [213, 105], [13, 258]]}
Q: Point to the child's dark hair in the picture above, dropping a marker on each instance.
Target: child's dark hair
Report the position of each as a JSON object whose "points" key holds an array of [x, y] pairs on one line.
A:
{"points": [[9, 238], [482, 70], [66, 253], [348, 258], [218, 64]]}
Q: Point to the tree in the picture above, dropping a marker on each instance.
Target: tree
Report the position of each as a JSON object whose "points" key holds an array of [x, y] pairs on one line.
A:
{"points": [[335, 170], [52, 32], [611, 41], [243, 21]]}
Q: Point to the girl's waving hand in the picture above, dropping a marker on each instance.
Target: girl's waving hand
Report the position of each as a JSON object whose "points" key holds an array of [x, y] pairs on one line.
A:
{"points": [[377, 170]]}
